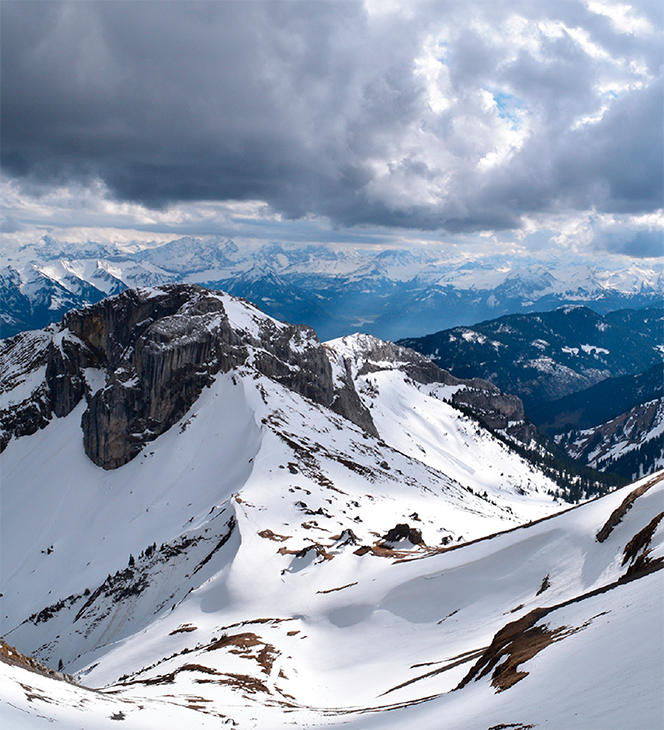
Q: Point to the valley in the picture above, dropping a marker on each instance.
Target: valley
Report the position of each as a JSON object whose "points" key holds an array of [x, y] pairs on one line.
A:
{"points": [[391, 293]]}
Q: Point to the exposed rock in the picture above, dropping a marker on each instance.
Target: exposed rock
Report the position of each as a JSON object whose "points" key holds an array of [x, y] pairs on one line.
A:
{"points": [[402, 532], [637, 551], [495, 410], [174, 358], [616, 516], [154, 350], [158, 348], [347, 537], [24, 409], [348, 403], [9, 655], [379, 355], [109, 327]]}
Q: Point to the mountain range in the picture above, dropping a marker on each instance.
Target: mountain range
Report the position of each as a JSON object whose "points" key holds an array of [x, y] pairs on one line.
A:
{"points": [[338, 290], [211, 519], [616, 425], [595, 382], [544, 356]]}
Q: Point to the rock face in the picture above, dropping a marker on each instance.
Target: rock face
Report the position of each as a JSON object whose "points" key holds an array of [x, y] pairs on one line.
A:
{"points": [[156, 349], [140, 360], [494, 409], [497, 411], [171, 353]]}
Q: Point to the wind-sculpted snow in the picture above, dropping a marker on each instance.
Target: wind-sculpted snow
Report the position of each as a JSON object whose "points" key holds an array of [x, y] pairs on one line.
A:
{"points": [[266, 562], [542, 623]]}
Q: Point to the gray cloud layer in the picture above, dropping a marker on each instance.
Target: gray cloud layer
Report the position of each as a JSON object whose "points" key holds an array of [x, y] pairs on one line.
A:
{"points": [[457, 116]]}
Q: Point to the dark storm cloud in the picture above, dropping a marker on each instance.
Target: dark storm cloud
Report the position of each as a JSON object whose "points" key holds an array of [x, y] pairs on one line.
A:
{"points": [[323, 108], [639, 244]]}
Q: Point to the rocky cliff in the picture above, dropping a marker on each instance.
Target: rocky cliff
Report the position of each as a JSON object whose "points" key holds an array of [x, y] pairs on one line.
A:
{"points": [[140, 359], [494, 409]]}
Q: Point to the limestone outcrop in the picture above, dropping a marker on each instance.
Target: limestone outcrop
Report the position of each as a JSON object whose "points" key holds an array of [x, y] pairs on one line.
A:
{"points": [[155, 350], [140, 359]]}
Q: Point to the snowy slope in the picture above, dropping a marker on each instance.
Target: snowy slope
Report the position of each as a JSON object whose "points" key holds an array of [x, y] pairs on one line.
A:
{"points": [[243, 567], [361, 641]]}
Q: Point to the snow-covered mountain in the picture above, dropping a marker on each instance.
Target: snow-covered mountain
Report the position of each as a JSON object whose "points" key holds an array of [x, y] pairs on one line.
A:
{"points": [[213, 518], [615, 425], [631, 444], [335, 289], [546, 356], [240, 572]]}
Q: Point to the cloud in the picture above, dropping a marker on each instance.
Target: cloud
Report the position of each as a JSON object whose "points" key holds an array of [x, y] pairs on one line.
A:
{"points": [[10, 224], [625, 240], [450, 116]]}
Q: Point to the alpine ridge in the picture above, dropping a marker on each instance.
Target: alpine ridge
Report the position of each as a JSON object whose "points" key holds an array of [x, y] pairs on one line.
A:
{"points": [[140, 360]]}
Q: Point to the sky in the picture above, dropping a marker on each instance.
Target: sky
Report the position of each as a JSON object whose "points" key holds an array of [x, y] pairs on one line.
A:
{"points": [[486, 125]]}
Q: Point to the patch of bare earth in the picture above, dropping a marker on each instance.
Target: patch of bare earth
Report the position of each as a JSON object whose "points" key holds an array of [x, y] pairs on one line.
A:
{"points": [[519, 641], [269, 535], [617, 514], [321, 552], [340, 588], [514, 644], [637, 553], [184, 629], [248, 646], [383, 552]]}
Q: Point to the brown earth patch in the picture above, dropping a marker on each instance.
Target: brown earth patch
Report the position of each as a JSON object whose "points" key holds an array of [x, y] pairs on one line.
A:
{"points": [[617, 514], [382, 552], [519, 641], [269, 535], [515, 643], [244, 646], [250, 685], [508, 640], [340, 588], [518, 651], [242, 682], [320, 551], [639, 544], [185, 628], [170, 677]]}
